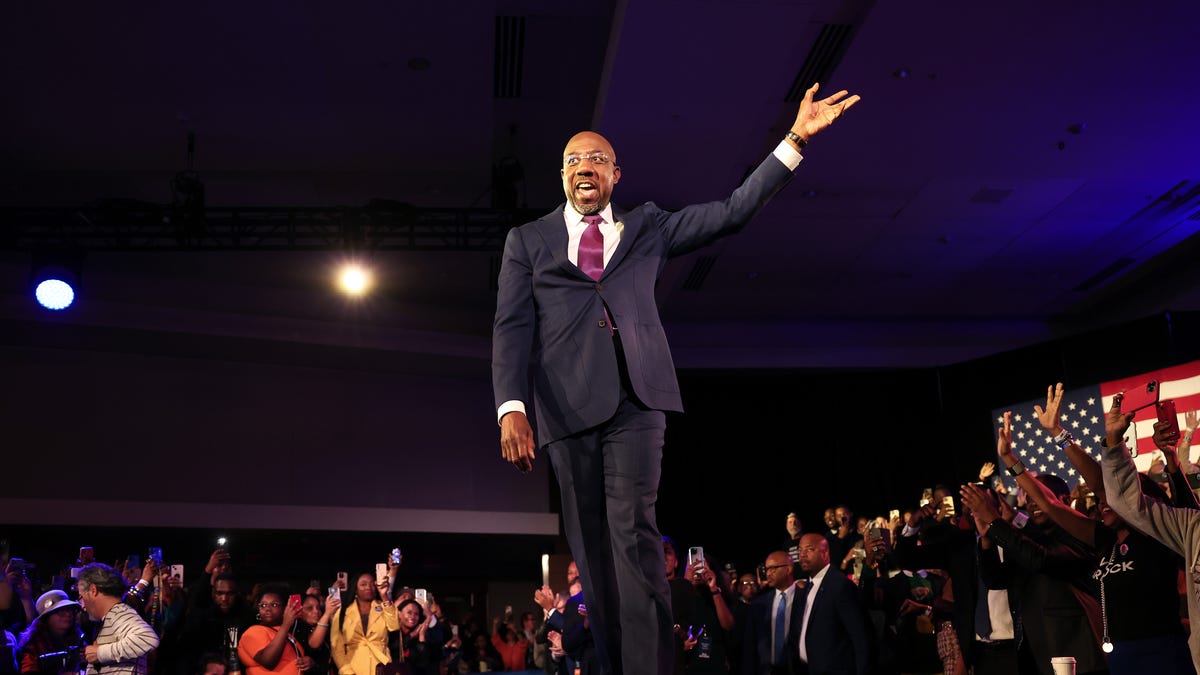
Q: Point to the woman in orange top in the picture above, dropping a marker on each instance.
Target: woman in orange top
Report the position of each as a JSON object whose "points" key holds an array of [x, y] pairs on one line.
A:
{"points": [[511, 645], [268, 647]]}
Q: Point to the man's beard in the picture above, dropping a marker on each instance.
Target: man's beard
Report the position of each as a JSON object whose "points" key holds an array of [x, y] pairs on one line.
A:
{"points": [[588, 209]]}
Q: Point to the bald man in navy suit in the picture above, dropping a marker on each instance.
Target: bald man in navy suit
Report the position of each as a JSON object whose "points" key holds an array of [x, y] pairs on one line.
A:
{"points": [[576, 311], [834, 636]]}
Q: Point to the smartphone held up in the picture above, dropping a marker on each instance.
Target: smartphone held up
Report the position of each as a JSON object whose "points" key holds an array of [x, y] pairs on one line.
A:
{"points": [[1170, 418]]}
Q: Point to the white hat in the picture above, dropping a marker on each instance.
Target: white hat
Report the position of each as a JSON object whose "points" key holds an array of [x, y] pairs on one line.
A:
{"points": [[53, 600]]}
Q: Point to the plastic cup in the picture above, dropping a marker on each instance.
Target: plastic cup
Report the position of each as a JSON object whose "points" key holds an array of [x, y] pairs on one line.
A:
{"points": [[1063, 665]]}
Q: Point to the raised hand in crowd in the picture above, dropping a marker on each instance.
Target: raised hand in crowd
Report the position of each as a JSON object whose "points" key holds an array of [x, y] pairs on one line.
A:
{"points": [[1049, 419], [545, 598], [22, 588], [218, 563], [149, 571], [172, 588], [918, 516], [432, 608], [1116, 423], [1191, 420], [698, 574], [986, 471], [982, 510]]}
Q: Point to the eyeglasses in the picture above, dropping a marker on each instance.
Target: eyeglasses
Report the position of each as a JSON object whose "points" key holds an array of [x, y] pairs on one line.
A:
{"points": [[594, 158], [746, 583], [270, 605], [764, 569]]}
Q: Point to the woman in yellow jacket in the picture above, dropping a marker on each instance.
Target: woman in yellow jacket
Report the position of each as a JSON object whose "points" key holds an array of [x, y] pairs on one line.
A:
{"points": [[358, 637]]}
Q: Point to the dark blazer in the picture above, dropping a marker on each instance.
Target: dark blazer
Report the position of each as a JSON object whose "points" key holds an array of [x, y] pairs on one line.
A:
{"points": [[756, 642], [564, 666], [839, 637], [1050, 573], [577, 638], [547, 303]]}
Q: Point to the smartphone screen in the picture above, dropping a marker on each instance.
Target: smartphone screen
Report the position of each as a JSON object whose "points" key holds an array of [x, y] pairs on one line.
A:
{"points": [[949, 502], [342, 580], [155, 555], [395, 557]]}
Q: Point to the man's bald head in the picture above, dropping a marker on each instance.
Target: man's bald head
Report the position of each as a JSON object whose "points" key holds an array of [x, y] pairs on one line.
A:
{"points": [[589, 172], [814, 553]]}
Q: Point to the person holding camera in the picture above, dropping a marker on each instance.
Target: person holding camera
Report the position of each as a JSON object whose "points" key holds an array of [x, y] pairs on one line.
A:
{"points": [[16, 596], [53, 642], [359, 638], [270, 648], [313, 630], [124, 640]]}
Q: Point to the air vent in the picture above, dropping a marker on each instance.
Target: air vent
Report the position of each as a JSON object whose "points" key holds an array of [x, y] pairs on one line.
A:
{"points": [[510, 56], [990, 196], [1104, 275], [827, 51], [695, 278]]}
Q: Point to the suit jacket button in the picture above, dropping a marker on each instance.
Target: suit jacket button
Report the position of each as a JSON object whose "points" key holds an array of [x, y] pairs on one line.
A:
{"points": [[599, 287], [600, 323]]}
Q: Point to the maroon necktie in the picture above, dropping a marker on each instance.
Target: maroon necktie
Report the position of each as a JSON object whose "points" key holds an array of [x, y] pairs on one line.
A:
{"points": [[591, 248]]}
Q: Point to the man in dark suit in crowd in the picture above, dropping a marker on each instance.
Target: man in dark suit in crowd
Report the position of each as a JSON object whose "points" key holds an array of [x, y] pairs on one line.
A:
{"points": [[772, 620], [576, 307], [577, 638], [833, 635]]}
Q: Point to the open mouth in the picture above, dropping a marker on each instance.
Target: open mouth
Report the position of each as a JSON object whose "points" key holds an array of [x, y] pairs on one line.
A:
{"points": [[587, 190]]}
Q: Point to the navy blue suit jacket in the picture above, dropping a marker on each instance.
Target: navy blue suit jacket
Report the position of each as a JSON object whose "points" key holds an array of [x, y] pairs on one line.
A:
{"points": [[756, 645], [839, 637], [551, 315], [577, 638]]}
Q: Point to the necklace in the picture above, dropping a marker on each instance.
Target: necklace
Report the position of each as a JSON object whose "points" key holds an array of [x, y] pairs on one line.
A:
{"points": [[1105, 643]]}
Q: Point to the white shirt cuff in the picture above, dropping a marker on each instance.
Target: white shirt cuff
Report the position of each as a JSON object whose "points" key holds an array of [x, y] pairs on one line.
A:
{"points": [[785, 153], [509, 406]]}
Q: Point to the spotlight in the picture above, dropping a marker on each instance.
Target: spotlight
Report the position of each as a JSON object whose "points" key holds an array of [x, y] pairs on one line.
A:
{"points": [[55, 278], [354, 280]]}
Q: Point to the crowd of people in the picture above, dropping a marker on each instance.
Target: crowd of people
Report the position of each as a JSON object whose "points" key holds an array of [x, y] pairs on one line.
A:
{"points": [[992, 576]]}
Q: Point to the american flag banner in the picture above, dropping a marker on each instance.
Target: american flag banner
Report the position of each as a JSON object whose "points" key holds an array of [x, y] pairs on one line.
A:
{"points": [[1082, 413]]}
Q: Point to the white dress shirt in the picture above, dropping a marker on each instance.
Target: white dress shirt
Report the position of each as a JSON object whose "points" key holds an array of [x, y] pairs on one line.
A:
{"points": [[813, 585]]}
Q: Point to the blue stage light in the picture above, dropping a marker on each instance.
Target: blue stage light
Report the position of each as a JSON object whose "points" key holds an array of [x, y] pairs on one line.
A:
{"points": [[55, 278], [54, 294]]}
